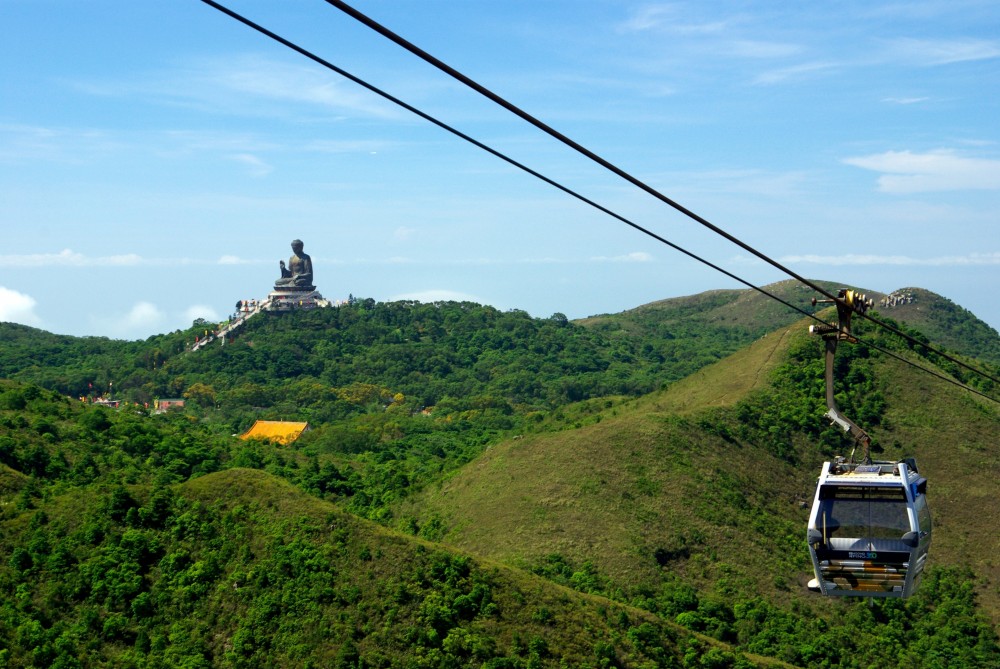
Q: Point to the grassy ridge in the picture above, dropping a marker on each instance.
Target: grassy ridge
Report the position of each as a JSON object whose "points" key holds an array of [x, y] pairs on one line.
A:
{"points": [[630, 493], [647, 477], [743, 315], [945, 324]]}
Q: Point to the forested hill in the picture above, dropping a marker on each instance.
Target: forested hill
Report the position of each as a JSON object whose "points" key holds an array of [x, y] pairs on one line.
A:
{"points": [[528, 448], [131, 540], [462, 355], [458, 355]]}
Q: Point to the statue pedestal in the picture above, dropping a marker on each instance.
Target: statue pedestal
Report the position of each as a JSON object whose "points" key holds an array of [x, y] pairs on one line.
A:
{"points": [[288, 300]]}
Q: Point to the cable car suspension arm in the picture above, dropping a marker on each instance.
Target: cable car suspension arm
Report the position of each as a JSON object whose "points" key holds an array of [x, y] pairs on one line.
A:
{"points": [[848, 303]]}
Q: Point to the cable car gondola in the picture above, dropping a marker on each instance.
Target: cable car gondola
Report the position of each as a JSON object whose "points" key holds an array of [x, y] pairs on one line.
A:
{"points": [[870, 527]]}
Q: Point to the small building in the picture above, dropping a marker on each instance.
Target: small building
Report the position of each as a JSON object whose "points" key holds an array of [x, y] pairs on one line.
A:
{"points": [[161, 406], [280, 431]]}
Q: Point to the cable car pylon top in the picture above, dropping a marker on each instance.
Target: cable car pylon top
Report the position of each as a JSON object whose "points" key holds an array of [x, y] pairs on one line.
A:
{"points": [[848, 302]]}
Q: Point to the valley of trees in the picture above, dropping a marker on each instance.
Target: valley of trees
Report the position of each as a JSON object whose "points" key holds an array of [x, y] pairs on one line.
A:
{"points": [[135, 539]]}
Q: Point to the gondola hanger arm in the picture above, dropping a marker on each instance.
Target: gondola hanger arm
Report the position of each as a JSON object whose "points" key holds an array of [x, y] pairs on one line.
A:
{"points": [[848, 302]]}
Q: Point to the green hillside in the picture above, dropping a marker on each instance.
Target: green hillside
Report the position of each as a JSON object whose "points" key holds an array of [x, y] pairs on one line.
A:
{"points": [[673, 326], [548, 492], [599, 492], [735, 311], [130, 539], [240, 569], [944, 323], [458, 354], [78, 366], [461, 353]]}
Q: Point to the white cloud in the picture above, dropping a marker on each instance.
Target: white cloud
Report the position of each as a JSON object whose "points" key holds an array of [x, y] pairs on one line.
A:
{"points": [[68, 258], [750, 182], [940, 170], [196, 311], [272, 79], [174, 142], [255, 166], [905, 101], [861, 259], [635, 256], [78, 146], [249, 85], [647, 18], [64, 145], [403, 233], [666, 18], [760, 49], [16, 307], [793, 73], [144, 319], [369, 146], [942, 52], [143, 314]]}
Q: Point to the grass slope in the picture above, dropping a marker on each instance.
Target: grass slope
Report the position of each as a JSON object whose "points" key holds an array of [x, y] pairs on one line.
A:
{"points": [[745, 310], [637, 492], [738, 314], [642, 482], [726, 383]]}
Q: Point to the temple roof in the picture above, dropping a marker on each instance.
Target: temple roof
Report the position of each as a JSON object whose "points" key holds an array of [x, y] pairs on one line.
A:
{"points": [[283, 432]]}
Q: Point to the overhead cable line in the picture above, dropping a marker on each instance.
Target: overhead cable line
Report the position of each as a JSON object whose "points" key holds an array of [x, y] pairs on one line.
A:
{"points": [[458, 133], [939, 375], [549, 130]]}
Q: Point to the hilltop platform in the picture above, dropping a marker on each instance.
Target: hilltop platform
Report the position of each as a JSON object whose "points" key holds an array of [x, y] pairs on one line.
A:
{"points": [[288, 300]]}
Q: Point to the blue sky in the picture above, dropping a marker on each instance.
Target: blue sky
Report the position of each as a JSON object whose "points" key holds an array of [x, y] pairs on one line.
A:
{"points": [[157, 158]]}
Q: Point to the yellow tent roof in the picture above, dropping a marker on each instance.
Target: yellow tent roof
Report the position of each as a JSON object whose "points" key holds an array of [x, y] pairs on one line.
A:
{"points": [[283, 432]]}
